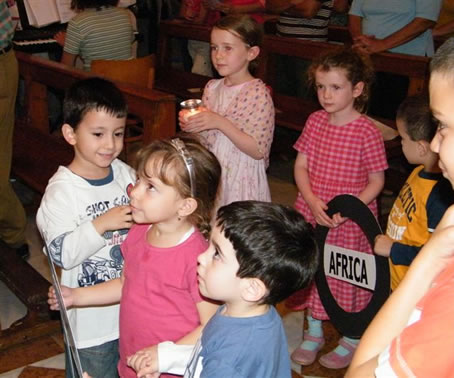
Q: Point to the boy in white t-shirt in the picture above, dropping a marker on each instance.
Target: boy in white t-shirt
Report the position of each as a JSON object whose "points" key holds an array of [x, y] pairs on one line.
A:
{"points": [[84, 214]]}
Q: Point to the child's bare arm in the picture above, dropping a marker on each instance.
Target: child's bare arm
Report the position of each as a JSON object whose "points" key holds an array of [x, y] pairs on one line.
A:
{"points": [[382, 245], [69, 239], [106, 293], [317, 206], [208, 120], [376, 181], [116, 218], [206, 311]]}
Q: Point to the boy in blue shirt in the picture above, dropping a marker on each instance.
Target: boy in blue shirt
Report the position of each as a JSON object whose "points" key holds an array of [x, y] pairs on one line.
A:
{"points": [[259, 254]]}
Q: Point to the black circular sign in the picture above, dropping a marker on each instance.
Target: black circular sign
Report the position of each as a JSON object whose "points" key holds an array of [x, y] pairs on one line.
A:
{"points": [[352, 324]]}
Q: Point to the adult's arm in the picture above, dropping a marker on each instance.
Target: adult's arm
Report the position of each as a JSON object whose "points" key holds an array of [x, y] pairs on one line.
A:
{"points": [[445, 29], [355, 26], [341, 6], [395, 313], [68, 59], [206, 310], [302, 8], [410, 31]]}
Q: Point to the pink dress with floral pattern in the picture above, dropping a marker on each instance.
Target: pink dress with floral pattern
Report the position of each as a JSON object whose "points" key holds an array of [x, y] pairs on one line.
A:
{"points": [[339, 160], [250, 108]]}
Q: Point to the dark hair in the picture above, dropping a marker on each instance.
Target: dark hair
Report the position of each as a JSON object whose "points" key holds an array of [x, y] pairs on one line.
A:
{"points": [[443, 60], [244, 27], [415, 113], [357, 66], [84, 4], [92, 94], [272, 242], [168, 165]]}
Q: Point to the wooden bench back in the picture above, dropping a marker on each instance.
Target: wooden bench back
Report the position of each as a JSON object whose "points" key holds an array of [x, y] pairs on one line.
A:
{"points": [[291, 111], [415, 67]]}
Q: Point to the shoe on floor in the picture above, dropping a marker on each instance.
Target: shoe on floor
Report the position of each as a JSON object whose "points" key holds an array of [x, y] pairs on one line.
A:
{"points": [[23, 251], [307, 357], [333, 360]]}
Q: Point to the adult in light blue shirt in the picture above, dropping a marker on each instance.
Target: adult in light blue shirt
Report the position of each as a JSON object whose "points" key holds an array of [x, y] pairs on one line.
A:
{"points": [[401, 26]]}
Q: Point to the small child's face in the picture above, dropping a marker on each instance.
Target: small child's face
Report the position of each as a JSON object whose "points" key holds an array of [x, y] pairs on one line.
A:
{"points": [[152, 201], [230, 55], [334, 91], [217, 270], [441, 90], [98, 140], [410, 148]]}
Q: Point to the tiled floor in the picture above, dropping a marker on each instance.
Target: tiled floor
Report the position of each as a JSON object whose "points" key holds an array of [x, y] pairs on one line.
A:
{"points": [[283, 191]]}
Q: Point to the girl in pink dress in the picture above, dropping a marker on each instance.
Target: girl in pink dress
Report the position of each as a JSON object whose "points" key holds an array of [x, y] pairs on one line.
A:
{"points": [[340, 151], [172, 204], [239, 122]]}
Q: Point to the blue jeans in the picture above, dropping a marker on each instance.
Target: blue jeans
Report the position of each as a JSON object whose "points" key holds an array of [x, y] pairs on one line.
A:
{"points": [[99, 361]]}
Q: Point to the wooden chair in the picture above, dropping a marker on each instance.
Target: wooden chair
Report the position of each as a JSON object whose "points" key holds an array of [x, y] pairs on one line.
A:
{"points": [[138, 71]]}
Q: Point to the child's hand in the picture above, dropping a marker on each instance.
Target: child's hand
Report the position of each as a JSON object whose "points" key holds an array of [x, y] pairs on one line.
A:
{"points": [[117, 218], [67, 294], [145, 362], [382, 246], [318, 208], [204, 120], [60, 37], [338, 219]]}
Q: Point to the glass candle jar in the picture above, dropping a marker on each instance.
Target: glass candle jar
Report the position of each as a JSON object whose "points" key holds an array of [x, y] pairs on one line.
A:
{"points": [[190, 108]]}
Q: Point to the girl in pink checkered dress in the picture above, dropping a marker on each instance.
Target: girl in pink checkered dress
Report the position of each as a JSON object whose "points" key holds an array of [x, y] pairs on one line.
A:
{"points": [[340, 151]]}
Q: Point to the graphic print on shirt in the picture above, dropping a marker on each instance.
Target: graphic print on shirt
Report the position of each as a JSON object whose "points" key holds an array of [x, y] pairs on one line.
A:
{"points": [[407, 208], [97, 269]]}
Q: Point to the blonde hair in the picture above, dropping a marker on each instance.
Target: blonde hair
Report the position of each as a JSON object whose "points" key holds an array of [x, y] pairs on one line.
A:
{"points": [[168, 165]]}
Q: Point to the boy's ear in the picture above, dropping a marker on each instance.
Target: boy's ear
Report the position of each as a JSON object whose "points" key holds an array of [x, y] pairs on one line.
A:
{"points": [[188, 206], [253, 290], [358, 89], [253, 53], [69, 134], [423, 147]]}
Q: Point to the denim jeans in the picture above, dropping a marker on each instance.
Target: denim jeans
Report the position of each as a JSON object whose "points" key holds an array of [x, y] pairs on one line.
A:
{"points": [[99, 361]]}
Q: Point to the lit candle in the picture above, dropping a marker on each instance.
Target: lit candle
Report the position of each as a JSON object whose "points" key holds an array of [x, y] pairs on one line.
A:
{"points": [[190, 108]]}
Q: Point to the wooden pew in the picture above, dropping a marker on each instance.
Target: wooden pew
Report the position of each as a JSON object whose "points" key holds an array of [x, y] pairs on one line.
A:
{"points": [[291, 112], [37, 155], [174, 80]]}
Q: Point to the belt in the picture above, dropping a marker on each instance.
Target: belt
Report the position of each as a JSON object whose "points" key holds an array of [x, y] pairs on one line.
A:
{"points": [[4, 50]]}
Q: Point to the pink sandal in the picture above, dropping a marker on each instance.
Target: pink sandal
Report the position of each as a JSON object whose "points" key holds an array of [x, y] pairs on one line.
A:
{"points": [[332, 360], [307, 357]]}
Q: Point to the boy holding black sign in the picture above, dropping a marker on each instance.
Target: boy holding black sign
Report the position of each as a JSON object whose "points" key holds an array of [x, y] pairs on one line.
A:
{"points": [[425, 195]]}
